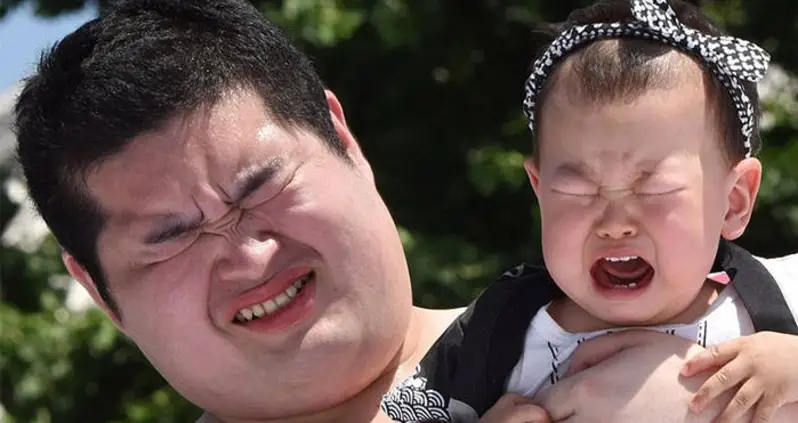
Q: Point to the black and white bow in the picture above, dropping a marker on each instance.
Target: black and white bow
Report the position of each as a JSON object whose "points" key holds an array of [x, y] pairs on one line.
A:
{"points": [[731, 59]]}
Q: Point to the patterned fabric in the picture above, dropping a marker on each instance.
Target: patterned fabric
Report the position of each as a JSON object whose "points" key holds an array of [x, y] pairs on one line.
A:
{"points": [[732, 60]]}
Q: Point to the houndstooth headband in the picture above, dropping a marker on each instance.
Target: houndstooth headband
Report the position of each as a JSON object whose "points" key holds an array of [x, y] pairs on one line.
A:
{"points": [[731, 59]]}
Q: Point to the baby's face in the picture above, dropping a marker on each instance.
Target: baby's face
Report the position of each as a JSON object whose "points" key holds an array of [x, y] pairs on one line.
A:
{"points": [[634, 197]]}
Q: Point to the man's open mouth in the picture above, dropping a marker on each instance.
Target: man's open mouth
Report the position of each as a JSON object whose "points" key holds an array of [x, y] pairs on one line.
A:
{"points": [[274, 304], [627, 272]]}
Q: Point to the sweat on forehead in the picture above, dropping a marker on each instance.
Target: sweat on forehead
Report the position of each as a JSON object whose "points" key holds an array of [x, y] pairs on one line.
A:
{"points": [[621, 70]]}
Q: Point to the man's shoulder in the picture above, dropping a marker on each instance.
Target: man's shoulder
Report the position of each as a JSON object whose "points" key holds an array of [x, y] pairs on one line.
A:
{"points": [[522, 271], [520, 285], [490, 332], [517, 292], [520, 275]]}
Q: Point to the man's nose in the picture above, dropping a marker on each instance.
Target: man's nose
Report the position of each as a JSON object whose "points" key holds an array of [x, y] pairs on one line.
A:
{"points": [[246, 258]]}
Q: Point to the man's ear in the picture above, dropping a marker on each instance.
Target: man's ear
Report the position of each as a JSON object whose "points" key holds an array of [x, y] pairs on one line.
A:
{"points": [[79, 273], [744, 181], [345, 135], [533, 173]]}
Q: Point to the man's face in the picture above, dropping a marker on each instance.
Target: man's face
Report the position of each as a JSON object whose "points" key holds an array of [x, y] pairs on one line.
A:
{"points": [[634, 196], [223, 216]]}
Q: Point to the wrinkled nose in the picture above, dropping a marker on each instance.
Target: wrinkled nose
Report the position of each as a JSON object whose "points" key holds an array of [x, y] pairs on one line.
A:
{"points": [[247, 248], [246, 258]]}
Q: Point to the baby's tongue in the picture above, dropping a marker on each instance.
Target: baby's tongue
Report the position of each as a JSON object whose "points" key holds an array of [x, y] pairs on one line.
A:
{"points": [[631, 269]]}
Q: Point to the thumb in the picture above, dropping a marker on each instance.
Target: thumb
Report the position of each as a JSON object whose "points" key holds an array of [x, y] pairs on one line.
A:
{"points": [[598, 349]]}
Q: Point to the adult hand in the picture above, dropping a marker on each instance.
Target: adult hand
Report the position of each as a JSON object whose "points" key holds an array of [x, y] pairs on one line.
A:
{"points": [[629, 377], [515, 408]]}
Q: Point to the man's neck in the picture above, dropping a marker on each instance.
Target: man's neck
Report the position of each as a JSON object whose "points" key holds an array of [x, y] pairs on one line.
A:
{"points": [[425, 326]]}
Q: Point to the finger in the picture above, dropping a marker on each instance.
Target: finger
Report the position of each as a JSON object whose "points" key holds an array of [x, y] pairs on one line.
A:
{"points": [[512, 399], [508, 412], [765, 409], [505, 410], [744, 400], [559, 400], [530, 413], [714, 356], [724, 379], [598, 349]]}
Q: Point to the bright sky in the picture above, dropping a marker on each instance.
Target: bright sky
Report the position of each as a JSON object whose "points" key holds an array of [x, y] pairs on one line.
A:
{"points": [[23, 36]]}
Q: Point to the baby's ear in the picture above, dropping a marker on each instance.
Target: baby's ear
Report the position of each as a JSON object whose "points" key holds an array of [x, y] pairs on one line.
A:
{"points": [[744, 182], [533, 173]]}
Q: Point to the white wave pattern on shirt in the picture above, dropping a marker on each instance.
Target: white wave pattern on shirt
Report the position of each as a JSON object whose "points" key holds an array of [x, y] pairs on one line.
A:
{"points": [[411, 401]]}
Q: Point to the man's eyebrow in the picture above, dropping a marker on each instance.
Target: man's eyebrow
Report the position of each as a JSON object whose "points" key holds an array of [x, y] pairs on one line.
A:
{"points": [[255, 176], [249, 180]]}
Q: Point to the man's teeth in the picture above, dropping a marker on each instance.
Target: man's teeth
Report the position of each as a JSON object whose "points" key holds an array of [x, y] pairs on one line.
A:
{"points": [[273, 304], [622, 258]]}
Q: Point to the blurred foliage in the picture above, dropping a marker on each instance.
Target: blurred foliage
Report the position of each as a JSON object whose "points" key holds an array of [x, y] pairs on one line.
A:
{"points": [[432, 89]]}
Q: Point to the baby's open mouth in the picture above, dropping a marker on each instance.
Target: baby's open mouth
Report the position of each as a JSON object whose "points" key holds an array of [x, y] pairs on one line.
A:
{"points": [[627, 272]]}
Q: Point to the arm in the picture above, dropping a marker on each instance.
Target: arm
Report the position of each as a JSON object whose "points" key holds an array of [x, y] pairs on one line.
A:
{"points": [[639, 382]]}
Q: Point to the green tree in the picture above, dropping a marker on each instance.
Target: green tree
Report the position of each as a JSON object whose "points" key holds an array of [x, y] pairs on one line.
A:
{"points": [[432, 89]]}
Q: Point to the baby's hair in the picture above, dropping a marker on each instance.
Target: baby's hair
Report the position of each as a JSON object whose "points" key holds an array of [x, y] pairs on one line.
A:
{"points": [[624, 68]]}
